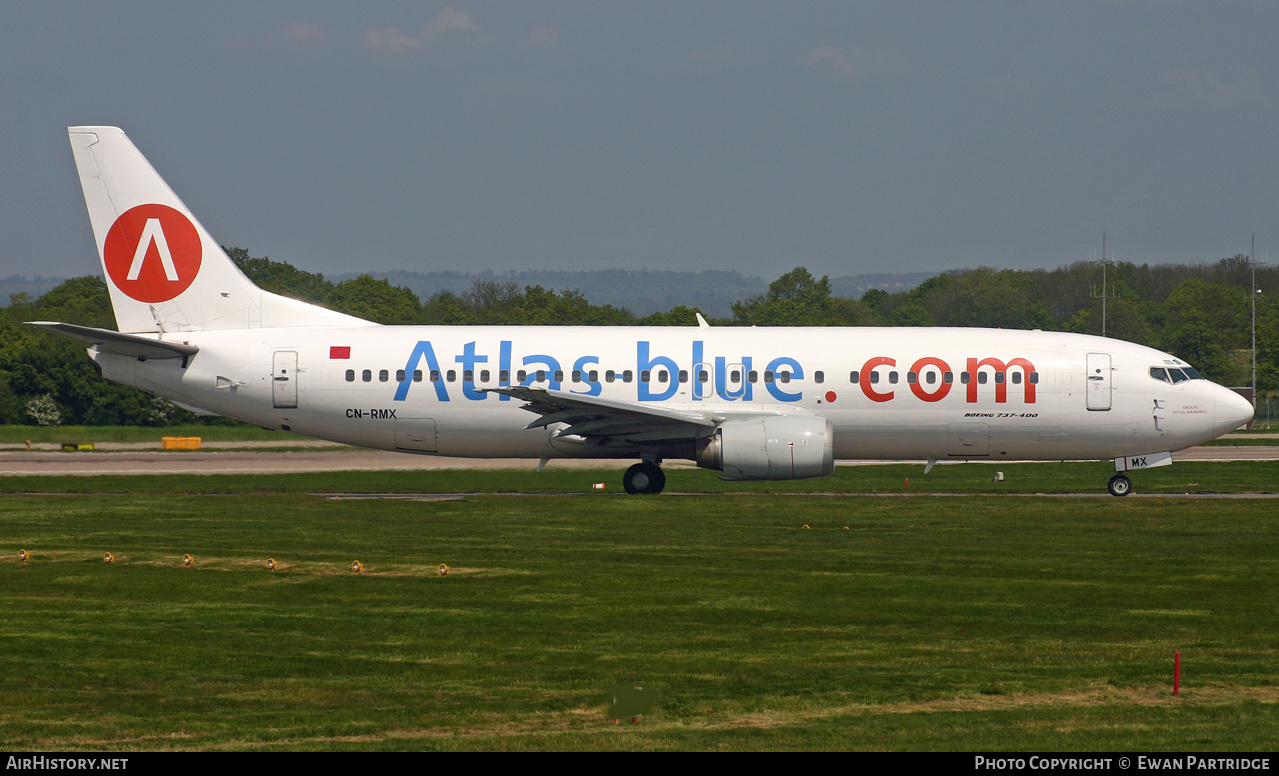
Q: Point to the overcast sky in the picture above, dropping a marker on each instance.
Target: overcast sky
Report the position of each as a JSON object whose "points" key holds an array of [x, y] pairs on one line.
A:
{"points": [[847, 137]]}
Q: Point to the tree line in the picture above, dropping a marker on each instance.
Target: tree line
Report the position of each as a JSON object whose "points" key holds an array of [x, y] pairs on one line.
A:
{"points": [[1200, 313]]}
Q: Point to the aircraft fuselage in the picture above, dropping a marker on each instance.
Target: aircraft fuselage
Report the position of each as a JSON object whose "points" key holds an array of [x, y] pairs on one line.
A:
{"points": [[889, 393]]}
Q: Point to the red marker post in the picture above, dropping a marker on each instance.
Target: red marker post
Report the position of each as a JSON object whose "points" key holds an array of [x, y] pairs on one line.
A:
{"points": [[1176, 674]]}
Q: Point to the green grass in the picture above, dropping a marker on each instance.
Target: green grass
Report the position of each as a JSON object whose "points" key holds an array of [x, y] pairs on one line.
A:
{"points": [[1229, 441], [972, 623]]}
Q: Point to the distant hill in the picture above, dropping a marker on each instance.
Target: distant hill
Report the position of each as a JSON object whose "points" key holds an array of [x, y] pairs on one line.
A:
{"points": [[640, 291], [35, 286], [856, 285]]}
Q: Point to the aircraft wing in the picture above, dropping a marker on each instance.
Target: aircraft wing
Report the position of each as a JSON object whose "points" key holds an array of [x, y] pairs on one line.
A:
{"points": [[602, 420], [134, 345]]}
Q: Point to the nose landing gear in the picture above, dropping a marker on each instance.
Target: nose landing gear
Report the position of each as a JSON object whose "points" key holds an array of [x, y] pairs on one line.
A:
{"points": [[1119, 485]]}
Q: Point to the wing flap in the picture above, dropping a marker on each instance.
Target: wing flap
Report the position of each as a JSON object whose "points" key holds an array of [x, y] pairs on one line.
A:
{"points": [[592, 417]]}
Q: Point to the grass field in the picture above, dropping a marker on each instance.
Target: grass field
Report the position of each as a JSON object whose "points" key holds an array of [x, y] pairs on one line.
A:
{"points": [[952, 623]]}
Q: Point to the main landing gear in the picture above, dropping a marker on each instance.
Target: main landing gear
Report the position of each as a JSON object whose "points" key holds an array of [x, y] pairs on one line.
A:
{"points": [[644, 477], [1119, 485]]}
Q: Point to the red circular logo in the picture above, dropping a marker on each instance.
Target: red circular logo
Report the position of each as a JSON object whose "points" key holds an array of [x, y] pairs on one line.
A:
{"points": [[152, 253], [830, 396]]}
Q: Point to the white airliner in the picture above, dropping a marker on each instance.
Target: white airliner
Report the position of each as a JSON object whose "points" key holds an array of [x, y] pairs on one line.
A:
{"points": [[753, 403]]}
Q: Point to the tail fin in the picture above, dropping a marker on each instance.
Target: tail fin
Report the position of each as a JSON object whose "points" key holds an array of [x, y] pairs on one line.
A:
{"points": [[165, 273]]}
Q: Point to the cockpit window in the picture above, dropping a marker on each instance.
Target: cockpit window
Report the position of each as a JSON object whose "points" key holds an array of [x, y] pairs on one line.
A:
{"points": [[1174, 375]]}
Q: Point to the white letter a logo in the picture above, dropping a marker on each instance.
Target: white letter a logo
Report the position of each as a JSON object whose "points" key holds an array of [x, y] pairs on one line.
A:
{"points": [[153, 232]]}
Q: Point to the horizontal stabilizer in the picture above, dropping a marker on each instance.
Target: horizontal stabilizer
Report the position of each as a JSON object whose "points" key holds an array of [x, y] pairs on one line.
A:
{"points": [[134, 345], [198, 411]]}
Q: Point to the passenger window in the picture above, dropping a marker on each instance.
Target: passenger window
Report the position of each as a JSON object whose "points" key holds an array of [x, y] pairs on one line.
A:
{"points": [[819, 377], [912, 377], [892, 377], [521, 376], [752, 376], [768, 375], [644, 375], [627, 375], [593, 376], [683, 375], [982, 377], [662, 376], [541, 376], [1033, 378], [736, 376], [874, 378], [854, 377], [964, 378], [1016, 378], [504, 376], [948, 377], [703, 376], [435, 375], [367, 376], [999, 378], [484, 375], [417, 375], [399, 375], [350, 375], [559, 375], [468, 375], [610, 376], [452, 375], [783, 377]]}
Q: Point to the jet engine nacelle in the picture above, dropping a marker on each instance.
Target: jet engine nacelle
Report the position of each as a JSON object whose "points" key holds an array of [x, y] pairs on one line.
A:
{"points": [[786, 447]]}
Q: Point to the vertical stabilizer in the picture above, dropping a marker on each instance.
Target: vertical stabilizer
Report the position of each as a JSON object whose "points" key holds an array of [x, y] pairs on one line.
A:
{"points": [[165, 273]]}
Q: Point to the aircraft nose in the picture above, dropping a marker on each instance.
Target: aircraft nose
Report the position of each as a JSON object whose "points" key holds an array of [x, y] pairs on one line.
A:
{"points": [[1232, 410]]}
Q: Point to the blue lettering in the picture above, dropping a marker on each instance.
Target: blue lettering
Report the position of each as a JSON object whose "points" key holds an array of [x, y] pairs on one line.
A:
{"points": [[722, 373], [580, 365], [422, 350], [699, 388], [723, 386], [644, 364], [468, 360], [552, 366], [797, 373], [504, 365]]}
